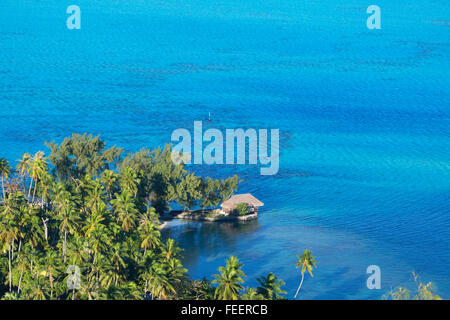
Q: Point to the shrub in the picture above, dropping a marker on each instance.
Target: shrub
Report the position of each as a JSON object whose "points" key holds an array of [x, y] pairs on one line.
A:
{"points": [[242, 209]]}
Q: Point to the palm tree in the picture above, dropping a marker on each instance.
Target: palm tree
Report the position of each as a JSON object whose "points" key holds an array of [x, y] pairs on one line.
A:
{"points": [[31, 231], [11, 296], [22, 261], [37, 169], [149, 233], [252, 294], [77, 251], [176, 271], [52, 269], [8, 234], [170, 250], [97, 272], [88, 289], [10, 231], [5, 170], [156, 278], [45, 188], [99, 241], [125, 209], [306, 262], [129, 180], [24, 167], [229, 280], [95, 196], [108, 180], [270, 287], [130, 291], [92, 222], [36, 287], [68, 224], [116, 258]]}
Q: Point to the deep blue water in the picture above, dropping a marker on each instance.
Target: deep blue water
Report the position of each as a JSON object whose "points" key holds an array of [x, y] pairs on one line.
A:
{"points": [[363, 116]]}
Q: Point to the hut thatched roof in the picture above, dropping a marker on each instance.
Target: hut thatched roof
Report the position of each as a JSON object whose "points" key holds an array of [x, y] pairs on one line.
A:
{"points": [[241, 198]]}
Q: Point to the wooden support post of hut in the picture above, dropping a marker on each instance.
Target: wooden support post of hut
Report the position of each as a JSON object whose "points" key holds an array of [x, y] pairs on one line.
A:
{"points": [[229, 206]]}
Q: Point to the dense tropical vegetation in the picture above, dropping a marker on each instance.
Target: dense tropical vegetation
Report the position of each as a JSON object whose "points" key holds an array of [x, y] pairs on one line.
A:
{"points": [[91, 214], [84, 223]]}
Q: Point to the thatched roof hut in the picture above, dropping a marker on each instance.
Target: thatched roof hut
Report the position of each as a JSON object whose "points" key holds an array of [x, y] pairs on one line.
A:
{"points": [[230, 204]]}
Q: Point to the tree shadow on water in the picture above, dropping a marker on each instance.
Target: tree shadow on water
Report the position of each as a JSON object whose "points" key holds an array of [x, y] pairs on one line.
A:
{"points": [[208, 239]]}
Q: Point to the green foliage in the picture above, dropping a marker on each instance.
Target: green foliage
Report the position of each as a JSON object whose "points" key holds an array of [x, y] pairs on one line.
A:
{"points": [[5, 170], [242, 209], [213, 192], [228, 187], [270, 287], [252, 294], [80, 155], [129, 180], [200, 290], [229, 280], [212, 214], [423, 292], [210, 190], [158, 176], [307, 263], [188, 191], [85, 207]]}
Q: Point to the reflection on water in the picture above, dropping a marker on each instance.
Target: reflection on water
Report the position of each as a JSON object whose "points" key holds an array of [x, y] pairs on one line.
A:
{"points": [[265, 247], [207, 238]]}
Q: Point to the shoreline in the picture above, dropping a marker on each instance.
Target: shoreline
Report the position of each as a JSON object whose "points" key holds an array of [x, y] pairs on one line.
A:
{"points": [[202, 215]]}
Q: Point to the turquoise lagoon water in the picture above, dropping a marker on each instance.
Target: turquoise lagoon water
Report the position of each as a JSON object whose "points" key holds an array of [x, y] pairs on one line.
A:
{"points": [[363, 116]]}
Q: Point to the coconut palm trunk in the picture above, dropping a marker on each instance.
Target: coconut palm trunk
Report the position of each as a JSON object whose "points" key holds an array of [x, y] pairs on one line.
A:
{"points": [[12, 250], [64, 245], [51, 284], [3, 188], [29, 190], [44, 221], [301, 282], [10, 268], [20, 279], [34, 191], [18, 250]]}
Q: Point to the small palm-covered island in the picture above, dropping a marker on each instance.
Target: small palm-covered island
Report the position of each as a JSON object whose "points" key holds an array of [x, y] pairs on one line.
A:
{"points": [[84, 223], [240, 207]]}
